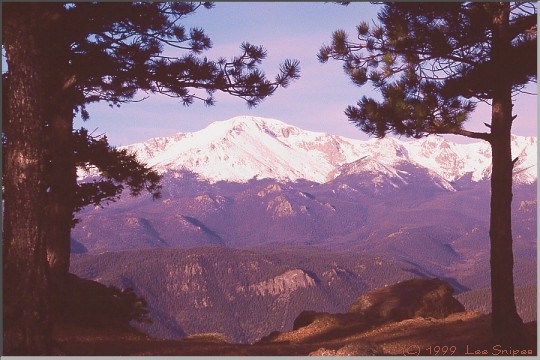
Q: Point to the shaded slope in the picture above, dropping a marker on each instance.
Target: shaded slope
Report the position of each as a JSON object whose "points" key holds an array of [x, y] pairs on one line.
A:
{"points": [[241, 294]]}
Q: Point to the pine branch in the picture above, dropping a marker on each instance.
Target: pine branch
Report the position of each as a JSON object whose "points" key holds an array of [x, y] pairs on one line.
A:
{"points": [[462, 132]]}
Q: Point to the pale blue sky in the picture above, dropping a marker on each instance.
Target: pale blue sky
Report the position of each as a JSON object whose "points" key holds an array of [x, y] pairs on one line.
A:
{"points": [[287, 30]]}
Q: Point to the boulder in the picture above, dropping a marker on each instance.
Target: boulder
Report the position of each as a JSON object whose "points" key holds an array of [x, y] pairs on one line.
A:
{"points": [[309, 317], [427, 298], [406, 300]]}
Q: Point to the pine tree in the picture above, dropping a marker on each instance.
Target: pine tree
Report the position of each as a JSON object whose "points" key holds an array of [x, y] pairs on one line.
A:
{"points": [[113, 51], [94, 52], [121, 52], [431, 63], [113, 170]]}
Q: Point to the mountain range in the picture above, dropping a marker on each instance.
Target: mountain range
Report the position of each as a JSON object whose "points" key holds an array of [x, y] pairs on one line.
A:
{"points": [[244, 148], [284, 209]]}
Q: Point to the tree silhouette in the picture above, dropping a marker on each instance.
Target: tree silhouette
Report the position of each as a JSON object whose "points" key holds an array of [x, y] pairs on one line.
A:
{"points": [[431, 63], [110, 52], [61, 57], [25, 282], [123, 49], [111, 170]]}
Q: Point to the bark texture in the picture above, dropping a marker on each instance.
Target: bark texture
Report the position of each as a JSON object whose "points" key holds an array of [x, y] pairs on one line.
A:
{"points": [[26, 327], [62, 170], [60, 199], [507, 326]]}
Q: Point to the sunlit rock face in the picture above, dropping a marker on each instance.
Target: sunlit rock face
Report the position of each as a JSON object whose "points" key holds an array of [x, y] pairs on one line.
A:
{"points": [[284, 284], [409, 299]]}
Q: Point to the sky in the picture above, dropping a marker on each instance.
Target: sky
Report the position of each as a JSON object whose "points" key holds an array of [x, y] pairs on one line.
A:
{"points": [[287, 30]]}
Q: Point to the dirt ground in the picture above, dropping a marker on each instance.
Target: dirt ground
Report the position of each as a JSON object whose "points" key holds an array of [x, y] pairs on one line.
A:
{"points": [[465, 333]]}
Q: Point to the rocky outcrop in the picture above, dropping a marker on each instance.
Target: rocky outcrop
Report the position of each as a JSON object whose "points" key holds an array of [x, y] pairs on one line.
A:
{"points": [[285, 283], [428, 298], [308, 317], [410, 299], [273, 188], [280, 207]]}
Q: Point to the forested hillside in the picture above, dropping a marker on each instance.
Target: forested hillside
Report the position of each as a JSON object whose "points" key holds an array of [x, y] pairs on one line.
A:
{"points": [[246, 294], [241, 294]]}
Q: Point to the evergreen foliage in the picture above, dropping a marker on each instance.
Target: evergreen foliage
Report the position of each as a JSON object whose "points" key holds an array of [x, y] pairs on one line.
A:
{"points": [[118, 53], [431, 62], [226, 290], [115, 50], [61, 57], [87, 304], [428, 61], [116, 168], [124, 48]]}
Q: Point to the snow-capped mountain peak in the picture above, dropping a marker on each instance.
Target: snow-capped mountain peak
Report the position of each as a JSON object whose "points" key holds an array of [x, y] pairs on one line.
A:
{"points": [[246, 147]]}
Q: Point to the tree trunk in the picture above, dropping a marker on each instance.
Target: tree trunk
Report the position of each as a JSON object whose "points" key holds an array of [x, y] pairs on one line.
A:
{"points": [[62, 182], [507, 326], [62, 170], [25, 275]]}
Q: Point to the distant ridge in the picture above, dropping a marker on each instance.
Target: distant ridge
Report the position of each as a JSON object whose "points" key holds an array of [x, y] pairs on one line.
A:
{"points": [[246, 147]]}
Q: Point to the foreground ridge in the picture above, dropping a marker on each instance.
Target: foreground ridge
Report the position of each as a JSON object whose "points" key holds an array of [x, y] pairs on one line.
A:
{"points": [[374, 326]]}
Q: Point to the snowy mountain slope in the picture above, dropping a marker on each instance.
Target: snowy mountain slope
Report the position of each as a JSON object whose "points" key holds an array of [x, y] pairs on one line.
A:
{"points": [[244, 148], [379, 177], [453, 161]]}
